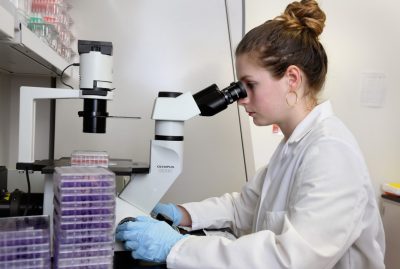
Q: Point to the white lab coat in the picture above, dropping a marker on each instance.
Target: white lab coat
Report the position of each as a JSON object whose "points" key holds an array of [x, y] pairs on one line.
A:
{"points": [[312, 207]]}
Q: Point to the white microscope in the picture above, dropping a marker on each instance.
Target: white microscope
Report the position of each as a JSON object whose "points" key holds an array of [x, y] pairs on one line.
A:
{"points": [[170, 110]]}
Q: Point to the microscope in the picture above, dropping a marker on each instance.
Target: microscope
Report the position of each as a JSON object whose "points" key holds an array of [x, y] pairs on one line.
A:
{"points": [[170, 111]]}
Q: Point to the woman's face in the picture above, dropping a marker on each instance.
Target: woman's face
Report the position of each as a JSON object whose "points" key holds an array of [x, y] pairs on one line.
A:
{"points": [[265, 101]]}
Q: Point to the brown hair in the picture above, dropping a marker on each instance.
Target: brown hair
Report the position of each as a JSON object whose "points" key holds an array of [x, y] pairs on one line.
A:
{"points": [[291, 39]]}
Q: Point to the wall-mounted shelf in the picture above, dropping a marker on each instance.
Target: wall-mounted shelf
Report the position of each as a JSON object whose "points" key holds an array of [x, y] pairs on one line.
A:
{"points": [[22, 52]]}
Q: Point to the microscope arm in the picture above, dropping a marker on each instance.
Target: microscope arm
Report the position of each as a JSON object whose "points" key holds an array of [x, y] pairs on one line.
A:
{"points": [[143, 192], [27, 115]]}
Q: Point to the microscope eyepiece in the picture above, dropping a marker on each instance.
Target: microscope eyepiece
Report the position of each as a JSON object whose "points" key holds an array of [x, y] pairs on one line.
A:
{"points": [[211, 100], [234, 92]]}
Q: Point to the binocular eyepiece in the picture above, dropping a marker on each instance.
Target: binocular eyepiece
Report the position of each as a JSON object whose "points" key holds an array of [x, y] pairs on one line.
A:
{"points": [[211, 100]]}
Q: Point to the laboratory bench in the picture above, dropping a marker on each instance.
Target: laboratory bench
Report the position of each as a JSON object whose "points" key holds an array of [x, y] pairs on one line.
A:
{"points": [[124, 260], [393, 198]]}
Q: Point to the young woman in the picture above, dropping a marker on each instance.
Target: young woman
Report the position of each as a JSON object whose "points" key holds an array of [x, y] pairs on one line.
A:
{"points": [[313, 205]]}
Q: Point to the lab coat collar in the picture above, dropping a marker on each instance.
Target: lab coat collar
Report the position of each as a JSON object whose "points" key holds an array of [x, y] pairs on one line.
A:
{"points": [[319, 113]]}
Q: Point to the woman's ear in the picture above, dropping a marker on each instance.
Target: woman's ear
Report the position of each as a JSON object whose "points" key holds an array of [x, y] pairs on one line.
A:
{"points": [[294, 76]]}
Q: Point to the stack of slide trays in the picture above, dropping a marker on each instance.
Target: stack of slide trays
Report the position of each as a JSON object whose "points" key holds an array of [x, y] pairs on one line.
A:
{"points": [[84, 217], [25, 242]]}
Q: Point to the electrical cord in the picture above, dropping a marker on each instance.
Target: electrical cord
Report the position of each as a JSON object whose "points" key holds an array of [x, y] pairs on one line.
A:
{"points": [[62, 74]]}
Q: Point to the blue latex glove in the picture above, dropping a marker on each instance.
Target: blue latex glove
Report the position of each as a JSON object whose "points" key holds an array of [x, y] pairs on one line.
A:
{"points": [[149, 239], [170, 211]]}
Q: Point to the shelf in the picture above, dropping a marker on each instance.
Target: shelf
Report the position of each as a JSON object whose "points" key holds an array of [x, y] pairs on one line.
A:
{"points": [[22, 52]]}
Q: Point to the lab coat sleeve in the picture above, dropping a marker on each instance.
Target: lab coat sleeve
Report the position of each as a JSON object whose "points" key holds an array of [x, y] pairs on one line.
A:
{"points": [[234, 210], [324, 218]]}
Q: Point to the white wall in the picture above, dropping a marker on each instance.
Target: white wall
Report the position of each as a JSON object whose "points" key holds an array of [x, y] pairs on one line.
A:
{"points": [[360, 36]]}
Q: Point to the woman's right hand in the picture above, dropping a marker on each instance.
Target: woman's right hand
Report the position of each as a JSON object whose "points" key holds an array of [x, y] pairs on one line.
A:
{"points": [[169, 211]]}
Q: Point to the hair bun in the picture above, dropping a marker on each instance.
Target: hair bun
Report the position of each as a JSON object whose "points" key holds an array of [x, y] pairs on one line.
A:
{"points": [[305, 14]]}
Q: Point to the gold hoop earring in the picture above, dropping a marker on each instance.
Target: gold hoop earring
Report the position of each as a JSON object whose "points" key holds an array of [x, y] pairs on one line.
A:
{"points": [[287, 100]]}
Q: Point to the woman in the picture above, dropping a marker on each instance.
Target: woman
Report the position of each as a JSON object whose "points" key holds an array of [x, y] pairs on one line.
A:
{"points": [[313, 206]]}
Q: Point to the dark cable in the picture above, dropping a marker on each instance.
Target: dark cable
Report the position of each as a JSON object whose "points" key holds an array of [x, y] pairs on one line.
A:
{"points": [[28, 200], [62, 74]]}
